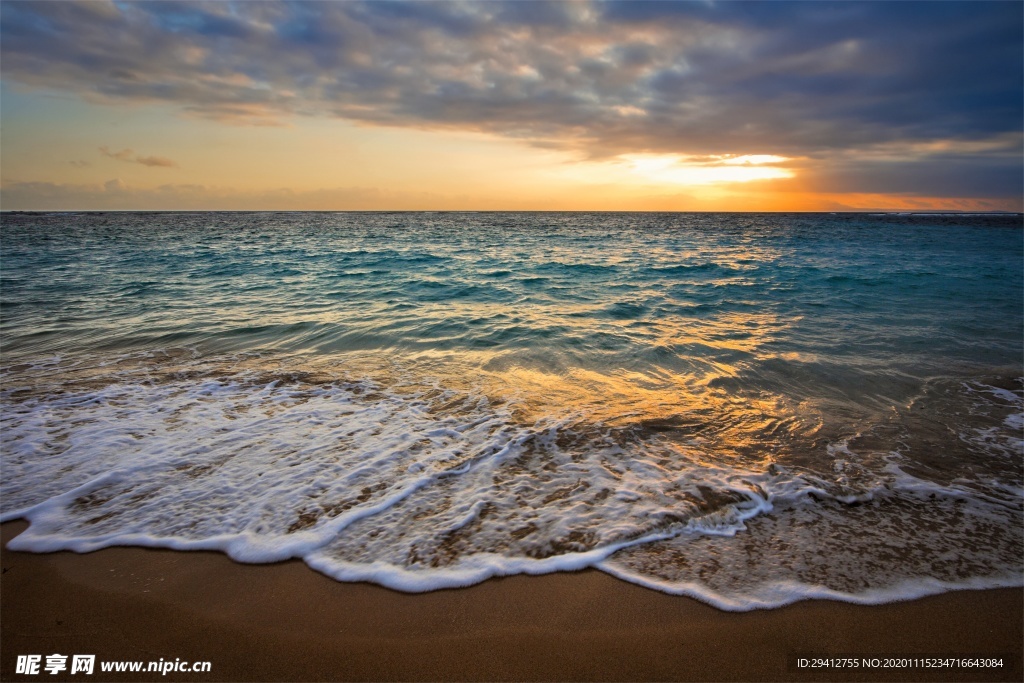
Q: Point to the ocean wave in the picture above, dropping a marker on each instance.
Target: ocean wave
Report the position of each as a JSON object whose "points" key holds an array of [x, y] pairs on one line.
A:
{"points": [[746, 408], [419, 487]]}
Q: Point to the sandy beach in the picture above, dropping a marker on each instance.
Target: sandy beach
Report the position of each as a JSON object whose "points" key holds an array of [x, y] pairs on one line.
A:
{"points": [[286, 622]]}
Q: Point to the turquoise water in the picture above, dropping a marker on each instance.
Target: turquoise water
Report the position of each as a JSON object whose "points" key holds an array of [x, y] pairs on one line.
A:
{"points": [[749, 408]]}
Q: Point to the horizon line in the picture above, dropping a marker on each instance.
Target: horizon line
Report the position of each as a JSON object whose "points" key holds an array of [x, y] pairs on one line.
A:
{"points": [[840, 211]]}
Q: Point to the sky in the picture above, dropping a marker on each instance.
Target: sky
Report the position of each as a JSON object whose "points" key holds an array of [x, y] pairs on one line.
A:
{"points": [[622, 106]]}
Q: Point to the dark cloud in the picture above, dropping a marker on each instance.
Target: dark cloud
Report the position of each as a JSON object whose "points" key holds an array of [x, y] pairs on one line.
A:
{"points": [[188, 19], [939, 175], [808, 79]]}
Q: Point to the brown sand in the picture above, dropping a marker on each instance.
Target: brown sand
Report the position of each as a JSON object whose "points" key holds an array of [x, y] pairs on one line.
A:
{"points": [[286, 622]]}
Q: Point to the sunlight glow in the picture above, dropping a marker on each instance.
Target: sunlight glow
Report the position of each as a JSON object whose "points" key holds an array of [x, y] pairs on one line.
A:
{"points": [[753, 159], [707, 170]]}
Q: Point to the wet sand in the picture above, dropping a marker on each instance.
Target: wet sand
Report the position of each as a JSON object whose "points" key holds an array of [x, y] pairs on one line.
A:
{"points": [[286, 622]]}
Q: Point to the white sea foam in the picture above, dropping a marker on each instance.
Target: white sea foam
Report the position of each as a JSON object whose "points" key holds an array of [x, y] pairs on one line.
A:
{"points": [[419, 489], [898, 546]]}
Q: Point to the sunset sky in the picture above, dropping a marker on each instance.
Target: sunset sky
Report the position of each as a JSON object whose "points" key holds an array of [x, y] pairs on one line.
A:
{"points": [[705, 106]]}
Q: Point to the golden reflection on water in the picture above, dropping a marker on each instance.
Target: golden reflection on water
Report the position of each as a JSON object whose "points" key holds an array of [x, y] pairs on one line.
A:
{"points": [[669, 384]]}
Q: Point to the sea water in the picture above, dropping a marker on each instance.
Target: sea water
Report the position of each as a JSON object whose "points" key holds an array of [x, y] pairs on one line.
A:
{"points": [[746, 408]]}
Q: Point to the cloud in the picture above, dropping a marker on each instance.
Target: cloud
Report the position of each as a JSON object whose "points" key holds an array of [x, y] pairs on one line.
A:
{"points": [[811, 80], [123, 155], [155, 161], [115, 185], [128, 155], [939, 175], [117, 195]]}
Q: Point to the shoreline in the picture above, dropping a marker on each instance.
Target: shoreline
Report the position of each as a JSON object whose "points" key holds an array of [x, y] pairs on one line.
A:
{"points": [[285, 621]]}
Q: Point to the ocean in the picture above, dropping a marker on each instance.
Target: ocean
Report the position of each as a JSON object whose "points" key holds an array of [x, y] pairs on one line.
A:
{"points": [[750, 409]]}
